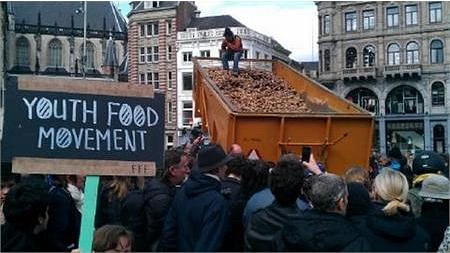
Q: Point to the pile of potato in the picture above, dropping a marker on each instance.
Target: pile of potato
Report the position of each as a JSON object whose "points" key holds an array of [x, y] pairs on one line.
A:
{"points": [[258, 91]]}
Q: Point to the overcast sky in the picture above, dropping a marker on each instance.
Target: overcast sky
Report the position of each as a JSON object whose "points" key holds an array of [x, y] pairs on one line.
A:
{"points": [[293, 23]]}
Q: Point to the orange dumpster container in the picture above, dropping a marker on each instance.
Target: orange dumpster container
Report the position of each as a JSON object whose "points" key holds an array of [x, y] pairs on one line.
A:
{"points": [[339, 137]]}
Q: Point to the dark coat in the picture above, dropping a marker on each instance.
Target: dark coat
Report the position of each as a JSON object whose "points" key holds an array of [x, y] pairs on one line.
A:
{"points": [[133, 218], [158, 199], [265, 228], [108, 211], [198, 218], [434, 220], [231, 190], [64, 222], [321, 231], [398, 233], [16, 239]]}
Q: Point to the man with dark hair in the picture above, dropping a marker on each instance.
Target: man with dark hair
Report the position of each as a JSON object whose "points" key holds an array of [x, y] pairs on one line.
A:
{"points": [[232, 50], [199, 216], [26, 214], [324, 228], [159, 193], [285, 181]]}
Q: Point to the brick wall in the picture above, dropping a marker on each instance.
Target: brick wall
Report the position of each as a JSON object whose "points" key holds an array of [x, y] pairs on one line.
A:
{"points": [[133, 37]]}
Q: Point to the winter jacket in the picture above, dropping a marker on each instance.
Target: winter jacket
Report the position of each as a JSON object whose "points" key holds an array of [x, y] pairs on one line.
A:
{"points": [[63, 228], [198, 218], [231, 190], [158, 199], [108, 211], [133, 218], [16, 239], [398, 233], [321, 231], [234, 46], [265, 229], [434, 220]]}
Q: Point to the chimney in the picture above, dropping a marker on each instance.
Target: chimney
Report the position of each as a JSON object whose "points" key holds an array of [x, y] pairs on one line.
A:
{"points": [[197, 13]]}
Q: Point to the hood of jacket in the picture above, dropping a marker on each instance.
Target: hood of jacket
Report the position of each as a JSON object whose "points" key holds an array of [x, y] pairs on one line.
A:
{"points": [[401, 226], [156, 187], [199, 183]]}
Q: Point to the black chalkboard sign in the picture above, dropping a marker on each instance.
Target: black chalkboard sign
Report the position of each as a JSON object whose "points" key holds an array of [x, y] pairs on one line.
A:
{"points": [[67, 125]]}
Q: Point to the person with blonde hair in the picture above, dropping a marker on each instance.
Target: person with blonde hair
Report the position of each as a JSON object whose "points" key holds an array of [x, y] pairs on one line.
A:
{"points": [[390, 224]]}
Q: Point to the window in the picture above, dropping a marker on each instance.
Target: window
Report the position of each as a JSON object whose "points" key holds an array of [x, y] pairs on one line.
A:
{"points": [[152, 54], [392, 16], [350, 21], [55, 53], [152, 29], [169, 53], [151, 4], [266, 57], [142, 79], [365, 98], [257, 54], [153, 79], [168, 26], [169, 141], [437, 52], [187, 81], [22, 52], [320, 25], [327, 60], [326, 24], [187, 113], [404, 99], [320, 61], [169, 111], [142, 30], [368, 20], [169, 80], [350, 58], [245, 54], [142, 55], [411, 14], [368, 56], [187, 56], [412, 53], [435, 12], [439, 138], [393, 54], [205, 53], [437, 94], [90, 54]]}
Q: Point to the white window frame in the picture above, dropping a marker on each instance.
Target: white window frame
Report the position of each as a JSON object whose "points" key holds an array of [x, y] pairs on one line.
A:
{"points": [[154, 29], [187, 56], [435, 14], [411, 17], [392, 18], [368, 20], [351, 21], [187, 110]]}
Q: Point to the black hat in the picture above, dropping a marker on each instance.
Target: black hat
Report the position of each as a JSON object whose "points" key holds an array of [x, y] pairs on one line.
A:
{"points": [[211, 157], [428, 162]]}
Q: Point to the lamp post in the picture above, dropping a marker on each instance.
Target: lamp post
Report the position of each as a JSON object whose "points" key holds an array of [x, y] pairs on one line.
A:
{"points": [[83, 57]]}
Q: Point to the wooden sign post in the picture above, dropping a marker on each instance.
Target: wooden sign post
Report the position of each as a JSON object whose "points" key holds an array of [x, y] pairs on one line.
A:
{"points": [[67, 126]]}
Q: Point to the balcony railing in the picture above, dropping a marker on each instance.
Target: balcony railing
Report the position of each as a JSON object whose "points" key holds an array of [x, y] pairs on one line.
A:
{"points": [[402, 71], [362, 73]]}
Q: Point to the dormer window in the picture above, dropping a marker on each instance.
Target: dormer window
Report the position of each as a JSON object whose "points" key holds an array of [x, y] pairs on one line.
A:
{"points": [[151, 4]]}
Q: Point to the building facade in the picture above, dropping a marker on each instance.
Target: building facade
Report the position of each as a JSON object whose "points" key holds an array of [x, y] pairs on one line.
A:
{"points": [[47, 38], [393, 59], [153, 27], [203, 37]]}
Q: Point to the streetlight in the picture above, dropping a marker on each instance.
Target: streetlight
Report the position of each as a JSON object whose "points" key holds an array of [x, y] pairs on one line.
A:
{"points": [[83, 58]]}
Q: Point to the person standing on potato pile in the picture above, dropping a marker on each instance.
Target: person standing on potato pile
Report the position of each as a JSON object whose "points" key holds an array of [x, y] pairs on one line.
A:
{"points": [[232, 50]]}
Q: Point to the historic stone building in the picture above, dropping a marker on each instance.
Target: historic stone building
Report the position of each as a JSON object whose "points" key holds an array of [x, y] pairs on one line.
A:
{"points": [[393, 59], [46, 38]]}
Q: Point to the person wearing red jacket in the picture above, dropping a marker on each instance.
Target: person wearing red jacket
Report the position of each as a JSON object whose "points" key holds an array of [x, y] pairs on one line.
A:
{"points": [[232, 50]]}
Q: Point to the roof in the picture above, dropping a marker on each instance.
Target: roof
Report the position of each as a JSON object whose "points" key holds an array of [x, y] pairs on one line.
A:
{"points": [[110, 56], [278, 47], [139, 5], [60, 13], [213, 22], [310, 65]]}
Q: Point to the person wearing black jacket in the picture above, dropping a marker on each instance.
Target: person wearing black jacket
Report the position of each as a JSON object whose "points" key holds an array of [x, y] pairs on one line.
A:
{"points": [[264, 230], [26, 217], [199, 216], [324, 228], [390, 225], [159, 194]]}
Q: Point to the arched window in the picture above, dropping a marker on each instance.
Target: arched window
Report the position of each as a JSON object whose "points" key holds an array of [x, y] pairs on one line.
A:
{"points": [[327, 60], [404, 99], [437, 94], [350, 58], [393, 54], [437, 52], [369, 56], [439, 138], [90, 55], [55, 53], [365, 98], [22, 52], [412, 53]]}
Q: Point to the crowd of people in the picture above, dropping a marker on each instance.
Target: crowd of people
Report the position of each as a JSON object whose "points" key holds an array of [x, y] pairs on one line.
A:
{"points": [[205, 199]]}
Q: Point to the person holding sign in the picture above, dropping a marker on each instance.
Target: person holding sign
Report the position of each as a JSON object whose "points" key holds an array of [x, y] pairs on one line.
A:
{"points": [[199, 216]]}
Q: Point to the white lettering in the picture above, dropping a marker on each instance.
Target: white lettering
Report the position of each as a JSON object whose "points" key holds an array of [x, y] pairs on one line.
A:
{"points": [[74, 108], [44, 108], [63, 114], [139, 116], [150, 113], [29, 106], [93, 112], [63, 138], [77, 137], [142, 133], [125, 115], [106, 136], [116, 139], [110, 112], [87, 138], [49, 134]]}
